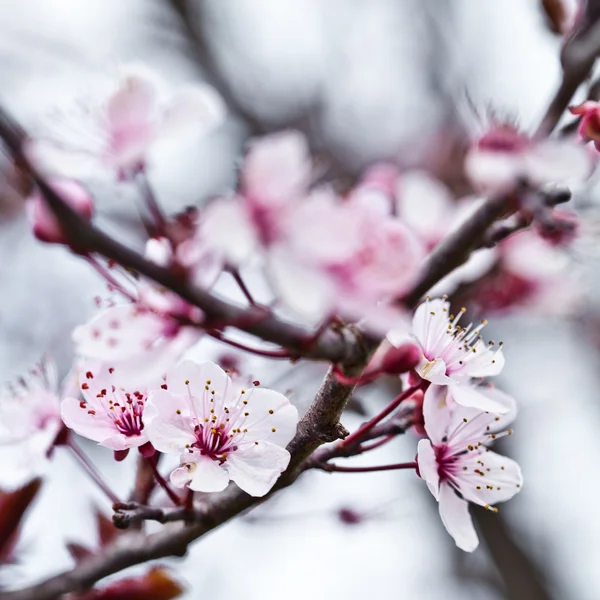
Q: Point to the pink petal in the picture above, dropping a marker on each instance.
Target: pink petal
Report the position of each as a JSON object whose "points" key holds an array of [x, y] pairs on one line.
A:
{"points": [[428, 467], [256, 468], [456, 519], [95, 427], [425, 324], [277, 168], [494, 172]]}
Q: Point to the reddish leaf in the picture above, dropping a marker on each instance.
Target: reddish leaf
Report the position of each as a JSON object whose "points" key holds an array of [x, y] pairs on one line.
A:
{"points": [[107, 532], [157, 584], [13, 506]]}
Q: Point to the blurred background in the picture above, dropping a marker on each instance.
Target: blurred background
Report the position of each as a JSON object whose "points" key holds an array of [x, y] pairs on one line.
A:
{"points": [[366, 80]]}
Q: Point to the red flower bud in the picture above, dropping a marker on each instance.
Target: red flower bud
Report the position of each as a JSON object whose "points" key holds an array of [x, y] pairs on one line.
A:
{"points": [[401, 359]]}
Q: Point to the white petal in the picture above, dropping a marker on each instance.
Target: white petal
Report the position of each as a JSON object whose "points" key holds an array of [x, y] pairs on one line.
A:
{"points": [[434, 371], [494, 172], [197, 376], [118, 333], [256, 468], [436, 413], [229, 230], [205, 474], [167, 430], [554, 161], [501, 479], [478, 397], [454, 512], [195, 110], [424, 204], [428, 467], [271, 417], [430, 320]]}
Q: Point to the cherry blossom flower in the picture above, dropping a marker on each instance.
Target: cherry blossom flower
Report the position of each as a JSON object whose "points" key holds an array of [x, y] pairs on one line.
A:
{"points": [[457, 465], [589, 125], [120, 132], [44, 224], [108, 413], [29, 424], [530, 273], [503, 157], [221, 431], [274, 179], [453, 355], [364, 257], [148, 335]]}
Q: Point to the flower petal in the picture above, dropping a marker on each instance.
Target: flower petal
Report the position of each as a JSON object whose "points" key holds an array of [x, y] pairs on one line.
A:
{"points": [[256, 468], [454, 512], [167, 422], [271, 417], [206, 474], [428, 467], [198, 376], [95, 425], [479, 397], [436, 413]]}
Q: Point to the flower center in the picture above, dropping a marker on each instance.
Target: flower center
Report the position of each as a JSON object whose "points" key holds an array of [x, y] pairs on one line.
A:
{"points": [[214, 440], [128, 416]]}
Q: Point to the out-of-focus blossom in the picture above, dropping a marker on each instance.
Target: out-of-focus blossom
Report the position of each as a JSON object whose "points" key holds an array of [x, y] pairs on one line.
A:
{"points": [[504, 157], [453, 355], [108, 414], [362, 259], [45, 225], [589, 125], [274, 179], [156, 584], [29, 424], [147, 336], [120, 132], [221, 431], [457, 465], [531, 272]]}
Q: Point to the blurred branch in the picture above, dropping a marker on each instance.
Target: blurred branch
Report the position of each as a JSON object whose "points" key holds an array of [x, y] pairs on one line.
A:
{"points": [[578, 56], [196, 35], [522, 578]]}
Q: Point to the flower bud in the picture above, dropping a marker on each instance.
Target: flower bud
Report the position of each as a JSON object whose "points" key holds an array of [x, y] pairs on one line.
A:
{"points": [[402, 359], [46, 226]]}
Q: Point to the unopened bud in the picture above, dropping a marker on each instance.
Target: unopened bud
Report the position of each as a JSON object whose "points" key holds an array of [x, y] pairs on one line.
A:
{"points": [[349, 516], [46, 226], [402, 359]]}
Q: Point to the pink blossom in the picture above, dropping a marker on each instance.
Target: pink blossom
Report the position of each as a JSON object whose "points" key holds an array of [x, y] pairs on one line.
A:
{"points": [[30, 422], [503, 157], [45, 225], [457, 465], [531, 272], [123, 129], [274, 179], [452, 355], [363, 258], [221, 432], [108, 413], [148, 335], [589, 125]]}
